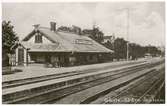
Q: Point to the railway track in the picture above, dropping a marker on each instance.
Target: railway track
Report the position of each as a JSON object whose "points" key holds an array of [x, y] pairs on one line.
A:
{"points": [[53, 94], [90, 84], [134, 92], [88, 95], [42, 97], [15, 83], [150, 94]]}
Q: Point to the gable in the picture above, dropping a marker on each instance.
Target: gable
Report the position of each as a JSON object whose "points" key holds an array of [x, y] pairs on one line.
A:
{"points": [[31, 38], [44, 40]]}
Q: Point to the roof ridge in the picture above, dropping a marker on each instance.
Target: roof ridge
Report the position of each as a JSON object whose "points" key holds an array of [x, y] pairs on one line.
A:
{"points": [[44, 27]]}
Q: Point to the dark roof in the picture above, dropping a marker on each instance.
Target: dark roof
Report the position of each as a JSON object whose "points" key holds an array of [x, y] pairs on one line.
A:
{"points": [[65, 42]]}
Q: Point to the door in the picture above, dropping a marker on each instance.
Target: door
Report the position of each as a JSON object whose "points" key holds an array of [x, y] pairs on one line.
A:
{"points": [[48, 58], [20, 56]]}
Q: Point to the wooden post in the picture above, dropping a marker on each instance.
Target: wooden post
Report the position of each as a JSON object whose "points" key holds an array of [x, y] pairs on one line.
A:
{"points": [[25, 57], [28, 58], [16, 57]]}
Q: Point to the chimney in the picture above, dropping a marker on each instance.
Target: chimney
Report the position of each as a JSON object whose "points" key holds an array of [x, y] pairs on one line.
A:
{"points": [[36, 26], [53, 26]]}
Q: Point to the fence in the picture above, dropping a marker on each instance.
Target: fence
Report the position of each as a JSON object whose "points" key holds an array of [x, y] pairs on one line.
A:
{"points": [[12, 59]]}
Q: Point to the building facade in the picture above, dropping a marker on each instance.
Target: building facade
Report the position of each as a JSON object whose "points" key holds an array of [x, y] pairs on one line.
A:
{"points": [[54, 48]]}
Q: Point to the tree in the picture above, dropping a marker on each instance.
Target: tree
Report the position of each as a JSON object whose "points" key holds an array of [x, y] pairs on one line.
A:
{"points": [[120, 48], [94, 34], [64, 28], [9, 37], [109, 45], [73, 29], [152, 50], [136, 51]]}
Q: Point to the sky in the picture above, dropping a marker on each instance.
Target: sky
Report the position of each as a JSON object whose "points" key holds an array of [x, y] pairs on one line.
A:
{"points": [[146, 19]]}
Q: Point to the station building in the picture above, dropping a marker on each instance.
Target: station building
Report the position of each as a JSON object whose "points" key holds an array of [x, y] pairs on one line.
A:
{"points": [[55, 48]]}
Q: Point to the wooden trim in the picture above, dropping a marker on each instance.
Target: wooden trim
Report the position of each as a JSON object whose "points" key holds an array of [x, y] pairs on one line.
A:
{"points": [[29, 36]]}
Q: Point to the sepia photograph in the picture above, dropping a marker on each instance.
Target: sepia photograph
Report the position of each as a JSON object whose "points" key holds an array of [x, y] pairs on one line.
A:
{"points": [[94, 52]]}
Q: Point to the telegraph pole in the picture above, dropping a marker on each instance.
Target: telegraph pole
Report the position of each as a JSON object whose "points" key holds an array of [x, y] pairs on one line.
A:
{"points": [[127, 30], [127, 54]]}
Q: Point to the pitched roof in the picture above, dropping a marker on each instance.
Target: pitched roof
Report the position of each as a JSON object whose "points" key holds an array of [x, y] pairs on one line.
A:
{"points": [[43, 47], [107, 37], [65, 42]]}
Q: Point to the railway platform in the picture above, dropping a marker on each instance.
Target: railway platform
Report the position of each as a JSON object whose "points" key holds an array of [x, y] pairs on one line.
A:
{"points": [[37, 71]]}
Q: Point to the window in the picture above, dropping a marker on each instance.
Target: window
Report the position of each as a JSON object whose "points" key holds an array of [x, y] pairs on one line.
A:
{"points": [[38, 38], [83, 41]]}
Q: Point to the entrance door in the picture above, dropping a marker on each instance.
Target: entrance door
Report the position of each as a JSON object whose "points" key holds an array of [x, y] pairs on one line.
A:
{"points": [[20, 56], [48, 58]]}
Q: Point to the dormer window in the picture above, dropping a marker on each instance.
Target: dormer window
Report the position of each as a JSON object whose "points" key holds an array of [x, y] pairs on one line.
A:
{"points": [[83, 41], [38, 38]]}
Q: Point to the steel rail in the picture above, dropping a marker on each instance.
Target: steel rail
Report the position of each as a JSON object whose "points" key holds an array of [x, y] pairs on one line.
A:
{"points": [[69, 87], [132, 86], [131, 72], [30, 98]]}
